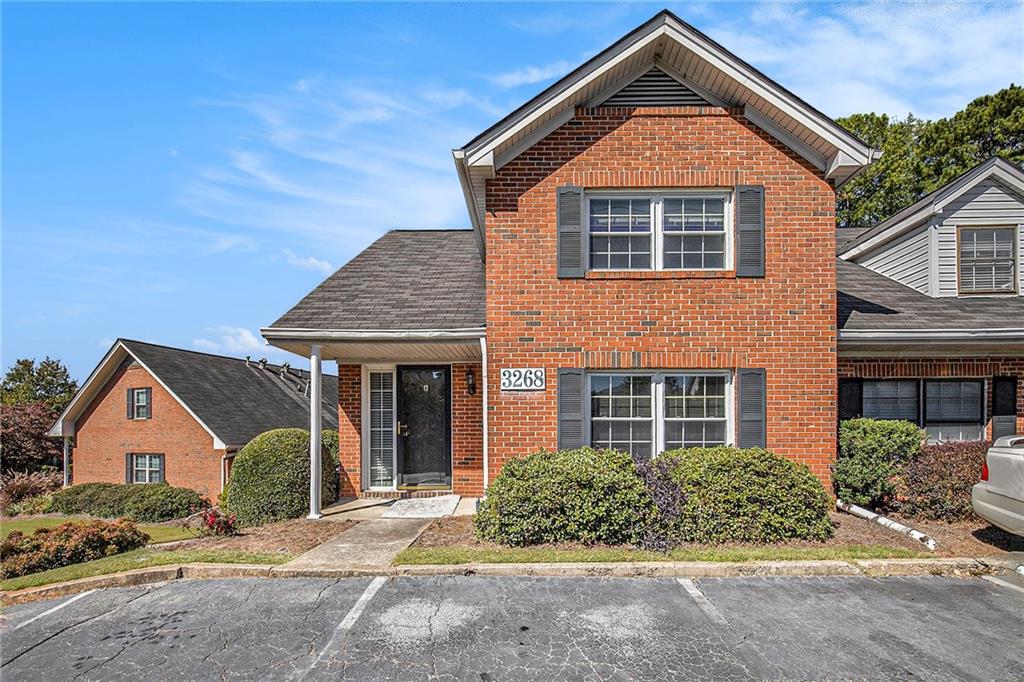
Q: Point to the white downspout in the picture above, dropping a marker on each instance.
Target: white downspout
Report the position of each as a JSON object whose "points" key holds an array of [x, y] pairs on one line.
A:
{"points": [[863, 513], [67, 461], [315, 394], [483, 370]]}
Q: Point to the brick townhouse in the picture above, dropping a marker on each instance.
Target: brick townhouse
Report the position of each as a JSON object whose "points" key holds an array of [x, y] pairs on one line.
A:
{"points": [[653, 264], [153, 414]]}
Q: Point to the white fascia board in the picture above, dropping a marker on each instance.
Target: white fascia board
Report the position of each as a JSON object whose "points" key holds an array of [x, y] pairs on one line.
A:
{"points": [[468, 194], [817, 159], [893, 232], [858, 152], [281, 334], [1013, 181], [908, 335], [553, 124], [103, 369]]}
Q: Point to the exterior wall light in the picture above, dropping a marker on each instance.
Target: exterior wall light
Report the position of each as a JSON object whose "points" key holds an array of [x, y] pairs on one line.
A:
{"points": [[470, 382]]}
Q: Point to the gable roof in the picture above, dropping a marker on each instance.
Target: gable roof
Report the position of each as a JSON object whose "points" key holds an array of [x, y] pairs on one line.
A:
{"points": [[872, 304], [932, 204], [406, 280], [690, 57], [234, 400]]}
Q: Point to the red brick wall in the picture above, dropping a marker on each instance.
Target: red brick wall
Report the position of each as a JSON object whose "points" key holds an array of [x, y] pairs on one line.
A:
{"points": [[104, 434], [958, 368], [784, 322], [467, 430]]}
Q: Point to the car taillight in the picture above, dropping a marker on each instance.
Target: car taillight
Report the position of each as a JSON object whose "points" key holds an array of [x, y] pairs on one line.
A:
{"points": [[984, 471]]}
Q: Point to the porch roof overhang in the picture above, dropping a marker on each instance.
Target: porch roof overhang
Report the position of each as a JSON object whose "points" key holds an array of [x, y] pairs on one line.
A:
{"points": [[365, 346], [931, 343]]}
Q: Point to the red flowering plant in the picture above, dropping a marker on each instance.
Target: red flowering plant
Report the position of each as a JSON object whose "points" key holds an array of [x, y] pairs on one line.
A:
{"points": [[215, 522]]}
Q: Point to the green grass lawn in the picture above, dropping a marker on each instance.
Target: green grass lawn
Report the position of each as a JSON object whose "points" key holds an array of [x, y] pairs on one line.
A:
{"points": [[140, 558], [414, 556], [157, 532]]}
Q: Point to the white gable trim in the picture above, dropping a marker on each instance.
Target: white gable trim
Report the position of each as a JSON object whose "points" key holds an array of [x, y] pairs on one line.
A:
{"points": [[65, 425], [785, 137]]}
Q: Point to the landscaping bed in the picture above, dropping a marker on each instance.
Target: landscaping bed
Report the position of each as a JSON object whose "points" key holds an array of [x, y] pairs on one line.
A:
{"points": [[158, 532], [451, 540], [285, 537]]}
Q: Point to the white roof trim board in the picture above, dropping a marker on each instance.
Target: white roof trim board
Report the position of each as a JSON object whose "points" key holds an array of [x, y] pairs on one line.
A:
{"points": [[65, 425], [933, 204], [693, 59]]}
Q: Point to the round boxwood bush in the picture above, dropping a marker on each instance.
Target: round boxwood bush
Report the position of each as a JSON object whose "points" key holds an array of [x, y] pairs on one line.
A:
{"points": [[724, 494], [142, 502], [588, 496], [270, 476], [871, 452]]}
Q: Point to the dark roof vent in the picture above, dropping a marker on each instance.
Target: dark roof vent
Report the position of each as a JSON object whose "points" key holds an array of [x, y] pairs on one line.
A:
{"points": [[263, 363]]}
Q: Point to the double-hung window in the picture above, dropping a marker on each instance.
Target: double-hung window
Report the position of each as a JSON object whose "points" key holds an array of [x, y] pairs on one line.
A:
{"points": [[146, 468], [140, 403], [947, 409], [678, 231], [644, 414], [988, 260]]}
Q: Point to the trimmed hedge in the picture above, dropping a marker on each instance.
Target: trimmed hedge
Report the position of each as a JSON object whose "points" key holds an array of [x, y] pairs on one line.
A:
{"points": [[69, 543], [937, 483], [871, 453], [724, 494], [151, 502], [270, 476], [588, 496]]}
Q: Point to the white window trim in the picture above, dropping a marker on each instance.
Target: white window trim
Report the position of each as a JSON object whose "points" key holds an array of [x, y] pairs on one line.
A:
{"points": [[147, 469], [365, 416], [136, 404], [658, 406], [921, 420], [1015, 232], [657, 232]]}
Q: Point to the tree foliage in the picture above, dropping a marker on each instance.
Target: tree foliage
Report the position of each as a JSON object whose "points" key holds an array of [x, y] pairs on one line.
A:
{"points": [[919, 156], [23, 439], [48, 382]]}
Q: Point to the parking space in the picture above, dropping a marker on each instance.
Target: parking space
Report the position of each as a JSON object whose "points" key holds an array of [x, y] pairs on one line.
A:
{"points": [[490, 628]]}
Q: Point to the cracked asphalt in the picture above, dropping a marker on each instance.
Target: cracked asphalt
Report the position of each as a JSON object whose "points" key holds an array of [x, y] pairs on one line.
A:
{"points": [[490, 628]]}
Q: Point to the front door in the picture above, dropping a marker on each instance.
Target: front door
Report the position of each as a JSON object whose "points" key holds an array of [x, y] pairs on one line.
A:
{"points": [[424, 426]]}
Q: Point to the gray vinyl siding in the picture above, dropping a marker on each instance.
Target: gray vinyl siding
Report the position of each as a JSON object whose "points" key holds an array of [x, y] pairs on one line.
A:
{"points": [[925, 258], [989, 203], [905, 260]]}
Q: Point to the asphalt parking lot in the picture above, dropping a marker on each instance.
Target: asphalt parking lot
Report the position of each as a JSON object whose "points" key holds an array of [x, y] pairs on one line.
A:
{"points": [[482, 628]]}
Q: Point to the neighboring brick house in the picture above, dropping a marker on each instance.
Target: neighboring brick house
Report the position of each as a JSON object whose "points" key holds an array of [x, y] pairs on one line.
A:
{"points": [[652, 265], [149, 414]]}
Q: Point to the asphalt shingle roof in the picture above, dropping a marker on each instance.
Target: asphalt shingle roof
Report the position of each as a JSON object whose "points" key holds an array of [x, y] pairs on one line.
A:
{"points": [[868, 300], [407, 279], [237, 401]]}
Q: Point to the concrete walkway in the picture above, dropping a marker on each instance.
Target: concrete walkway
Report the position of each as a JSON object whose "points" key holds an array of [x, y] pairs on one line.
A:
{"points": [[373, 543]]}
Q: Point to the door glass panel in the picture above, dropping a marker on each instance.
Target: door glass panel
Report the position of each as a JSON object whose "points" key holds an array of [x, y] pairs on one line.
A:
{"points": [[382, 421]]}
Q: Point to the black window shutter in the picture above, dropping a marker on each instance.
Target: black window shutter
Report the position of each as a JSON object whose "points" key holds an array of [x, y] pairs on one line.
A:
{"points": [[749, 231], [571, 239], [128, 468], [149, 403], [851, 394], [1004, 407], [163, 470], [570, 408], [752, 399], [131, 413]]}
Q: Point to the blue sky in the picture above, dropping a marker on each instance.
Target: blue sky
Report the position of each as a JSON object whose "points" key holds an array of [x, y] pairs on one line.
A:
{"points": [[184, 173]]}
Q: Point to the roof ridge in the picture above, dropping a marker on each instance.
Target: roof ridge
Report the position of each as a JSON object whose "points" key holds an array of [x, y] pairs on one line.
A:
{"points": [[250, 361]]}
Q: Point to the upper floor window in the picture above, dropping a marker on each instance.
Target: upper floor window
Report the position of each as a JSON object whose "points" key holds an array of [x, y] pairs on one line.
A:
{"points": [[687, 231], [140, 403], [988, 262]]}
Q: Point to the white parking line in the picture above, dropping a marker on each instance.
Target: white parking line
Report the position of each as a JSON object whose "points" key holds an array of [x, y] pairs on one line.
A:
{"points": [[703, 602], [56, 608], [347, 622], [1004, 583]]}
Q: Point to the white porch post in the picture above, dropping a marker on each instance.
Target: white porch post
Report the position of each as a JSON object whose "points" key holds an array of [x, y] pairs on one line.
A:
{"points": [[315, 391], [67, 461]]}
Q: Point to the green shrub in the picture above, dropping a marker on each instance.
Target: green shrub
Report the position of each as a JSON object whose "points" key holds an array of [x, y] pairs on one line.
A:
{"points": [[937, 483], [142, 502], [270, 476], [588, 496], [871, 452], [723, 494], [40, 504], [18, 486], [69, 543]]}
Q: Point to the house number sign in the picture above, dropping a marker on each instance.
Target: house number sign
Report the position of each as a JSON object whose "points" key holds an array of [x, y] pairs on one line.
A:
{"points": [[518, 379]]}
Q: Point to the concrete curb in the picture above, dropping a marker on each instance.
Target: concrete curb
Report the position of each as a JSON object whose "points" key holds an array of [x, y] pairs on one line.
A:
{"points": [[874, 568]]}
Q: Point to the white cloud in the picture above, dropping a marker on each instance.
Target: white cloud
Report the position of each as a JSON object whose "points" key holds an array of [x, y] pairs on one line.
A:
{"points": [[531, 74], [238, 341], [307, 263], [205, 345]]}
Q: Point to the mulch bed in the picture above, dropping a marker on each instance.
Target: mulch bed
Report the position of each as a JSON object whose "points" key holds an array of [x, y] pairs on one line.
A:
{"points": [[975, 538], [288, 537]]}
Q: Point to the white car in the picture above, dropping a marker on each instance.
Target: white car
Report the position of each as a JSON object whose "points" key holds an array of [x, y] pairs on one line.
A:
{"points": [[999, 497]]}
